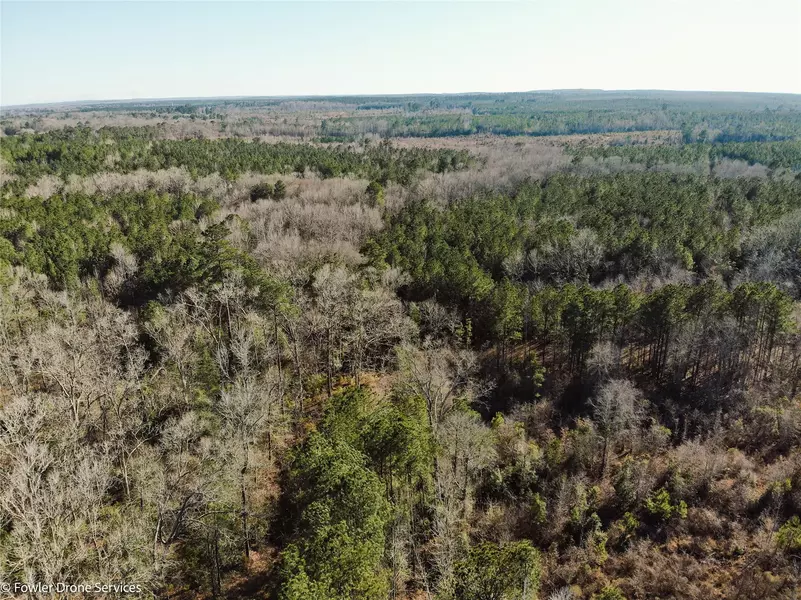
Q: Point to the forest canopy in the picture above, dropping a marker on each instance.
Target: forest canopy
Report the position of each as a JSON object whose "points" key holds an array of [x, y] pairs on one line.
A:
{"points": [[478, 347]]}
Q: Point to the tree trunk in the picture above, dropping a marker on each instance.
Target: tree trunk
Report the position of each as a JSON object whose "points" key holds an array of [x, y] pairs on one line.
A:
{"points": [[605, 458], [245, 532], [328, 360], [278, 360], [216, 578]]}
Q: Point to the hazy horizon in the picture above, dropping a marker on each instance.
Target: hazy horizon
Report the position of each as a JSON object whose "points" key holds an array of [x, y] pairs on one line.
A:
{"points": [[109, 51], [90, 101]]}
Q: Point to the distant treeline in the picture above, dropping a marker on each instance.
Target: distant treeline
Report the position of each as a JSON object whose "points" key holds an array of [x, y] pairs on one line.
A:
{"points": [[699, 116], [695, 126], [774, 155], [486, 102], [81, 151]]}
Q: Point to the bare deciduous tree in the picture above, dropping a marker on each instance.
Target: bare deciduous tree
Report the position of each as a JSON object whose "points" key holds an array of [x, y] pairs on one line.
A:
{"points": [[441, 376], [247, 408], [616, 408]]}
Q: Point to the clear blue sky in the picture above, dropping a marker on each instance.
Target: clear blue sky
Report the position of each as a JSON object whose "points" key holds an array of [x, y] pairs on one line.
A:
{"points": [[54, 51]]}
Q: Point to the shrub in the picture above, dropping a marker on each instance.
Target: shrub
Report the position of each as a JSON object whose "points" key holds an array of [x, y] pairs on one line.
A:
{"points": [[279, 190], [498, 572], [261, 191], [659, 505], [789, 535], [375, 194], [539, 510], [610, 592], [624, 529]]}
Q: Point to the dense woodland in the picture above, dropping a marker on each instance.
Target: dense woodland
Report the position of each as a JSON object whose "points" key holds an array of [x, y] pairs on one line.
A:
{"points": [[697, 117], [404, 348]]}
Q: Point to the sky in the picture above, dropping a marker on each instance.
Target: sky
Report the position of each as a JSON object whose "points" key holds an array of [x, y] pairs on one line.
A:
{"points": [[65, 50]]}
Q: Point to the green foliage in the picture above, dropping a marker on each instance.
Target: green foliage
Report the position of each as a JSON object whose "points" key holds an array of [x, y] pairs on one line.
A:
{"points": [[336, 513], [789, 535], [624, 529], [499, 572], [539, 510], [335, 499], [393, 436], [375, 194], [582, 513], [261, 191], [500, 262], [554, 454], [82, 151], [460, 254], [596, 542], [497, 421], [771, 154], [660, 505], [71, 237], [625, 482], [279, 191], [610, 592], [564, 113], [583, 278]]}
